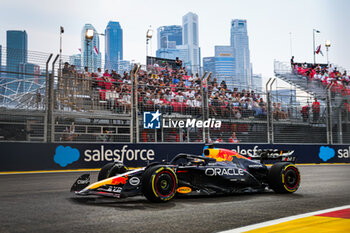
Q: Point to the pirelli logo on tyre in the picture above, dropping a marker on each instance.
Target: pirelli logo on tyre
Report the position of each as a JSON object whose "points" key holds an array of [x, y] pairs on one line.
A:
{"points": [[291, 182], [184, 190]]}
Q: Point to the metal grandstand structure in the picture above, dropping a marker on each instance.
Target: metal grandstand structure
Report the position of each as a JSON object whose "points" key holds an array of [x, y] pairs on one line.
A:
{"points": [[336, 116], [41, 101]]}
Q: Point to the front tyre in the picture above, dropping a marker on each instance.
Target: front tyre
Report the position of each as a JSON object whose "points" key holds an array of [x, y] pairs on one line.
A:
{"points": [[284, 178], [111, 169], [159, 183]]}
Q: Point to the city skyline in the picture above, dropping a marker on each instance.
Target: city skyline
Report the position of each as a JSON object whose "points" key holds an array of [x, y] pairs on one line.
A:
{"points": [[274, 27], [181, 42], [231, 63]]}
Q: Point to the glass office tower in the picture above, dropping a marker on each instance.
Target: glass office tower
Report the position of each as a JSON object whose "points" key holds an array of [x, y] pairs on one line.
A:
{"points": [[240, 45], [113, 45]]}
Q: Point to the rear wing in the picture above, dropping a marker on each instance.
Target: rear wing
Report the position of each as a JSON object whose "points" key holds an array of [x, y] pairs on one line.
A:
{"points": [[281, 155]]}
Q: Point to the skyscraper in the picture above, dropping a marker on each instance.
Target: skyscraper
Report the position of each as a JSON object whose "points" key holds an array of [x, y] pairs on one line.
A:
{"points": [[232, 63], [225, 65], [186, 47], [16, 57], [169, 36], [240, 45], [190, 38], [16, 51], [90, 50], [222, 65], [113, 46]]}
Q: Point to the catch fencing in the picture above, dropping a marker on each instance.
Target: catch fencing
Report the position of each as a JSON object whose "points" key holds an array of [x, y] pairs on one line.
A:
{"points": [[49, 101]]}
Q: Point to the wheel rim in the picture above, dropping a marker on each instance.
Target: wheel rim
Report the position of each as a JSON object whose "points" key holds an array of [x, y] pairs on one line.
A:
{"points": [[291, 178], [165, 184]]}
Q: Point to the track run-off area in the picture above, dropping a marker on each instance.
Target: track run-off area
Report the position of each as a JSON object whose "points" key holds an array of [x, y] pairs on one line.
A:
{"points": [[41, 202]]}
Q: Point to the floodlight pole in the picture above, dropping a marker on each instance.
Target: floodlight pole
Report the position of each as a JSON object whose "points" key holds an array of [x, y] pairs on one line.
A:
{"points": [[146, 47], [92, 64], [60, 61], [87, 54], [148, 38], [89, 38], [60, 64]]}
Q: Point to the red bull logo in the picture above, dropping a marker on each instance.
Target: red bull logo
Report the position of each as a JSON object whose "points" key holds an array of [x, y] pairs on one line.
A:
{"points": [[120, 180], [109, 181], [224, 155]]}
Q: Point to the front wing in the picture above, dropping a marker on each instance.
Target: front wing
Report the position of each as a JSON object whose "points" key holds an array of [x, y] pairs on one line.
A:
{"points": [[122, 185]]}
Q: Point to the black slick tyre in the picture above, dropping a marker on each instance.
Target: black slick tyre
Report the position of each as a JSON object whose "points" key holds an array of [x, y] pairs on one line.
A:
{"points": [[284, 178], [111, 169], [159, 183]]}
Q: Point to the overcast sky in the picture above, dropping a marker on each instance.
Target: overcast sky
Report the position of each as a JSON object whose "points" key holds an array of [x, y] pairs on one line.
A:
{"points": [[270, 25]]}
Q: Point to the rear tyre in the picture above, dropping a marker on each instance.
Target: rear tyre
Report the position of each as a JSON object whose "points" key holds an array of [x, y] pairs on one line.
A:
{"points": [[111, 169], [159, 183], [284, 178]]}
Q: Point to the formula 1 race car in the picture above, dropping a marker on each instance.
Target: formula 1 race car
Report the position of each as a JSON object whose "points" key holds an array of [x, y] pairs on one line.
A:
{"points": [[217, 171]]}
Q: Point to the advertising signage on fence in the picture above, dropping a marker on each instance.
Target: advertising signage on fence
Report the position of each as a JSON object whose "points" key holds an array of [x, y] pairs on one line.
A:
{"points": [[56, 156]]}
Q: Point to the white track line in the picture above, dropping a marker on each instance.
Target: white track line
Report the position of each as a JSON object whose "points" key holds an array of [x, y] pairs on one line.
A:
{"points": [[281, 220]]}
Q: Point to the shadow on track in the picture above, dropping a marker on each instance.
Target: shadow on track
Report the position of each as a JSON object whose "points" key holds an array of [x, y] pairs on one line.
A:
{"points": [[142, 203], [139, 203]]}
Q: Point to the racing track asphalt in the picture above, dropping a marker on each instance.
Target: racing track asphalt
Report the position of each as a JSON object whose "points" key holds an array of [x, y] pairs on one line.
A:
{"points": [[43, 203]]}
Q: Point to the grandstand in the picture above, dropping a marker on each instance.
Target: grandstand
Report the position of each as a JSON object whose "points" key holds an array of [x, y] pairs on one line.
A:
{"points": [[329, 85], [60, 102]]}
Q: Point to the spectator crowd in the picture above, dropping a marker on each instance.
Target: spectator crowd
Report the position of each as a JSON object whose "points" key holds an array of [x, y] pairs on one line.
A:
{"points": [[173, 91], [324, 74]]}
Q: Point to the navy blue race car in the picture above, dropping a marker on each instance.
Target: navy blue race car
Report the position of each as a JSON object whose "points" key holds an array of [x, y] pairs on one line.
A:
{"points": [[217, 171]]}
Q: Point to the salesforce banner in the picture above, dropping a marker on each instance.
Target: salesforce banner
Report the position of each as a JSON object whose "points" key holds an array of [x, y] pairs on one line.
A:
{"points": [[62, 156]]}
